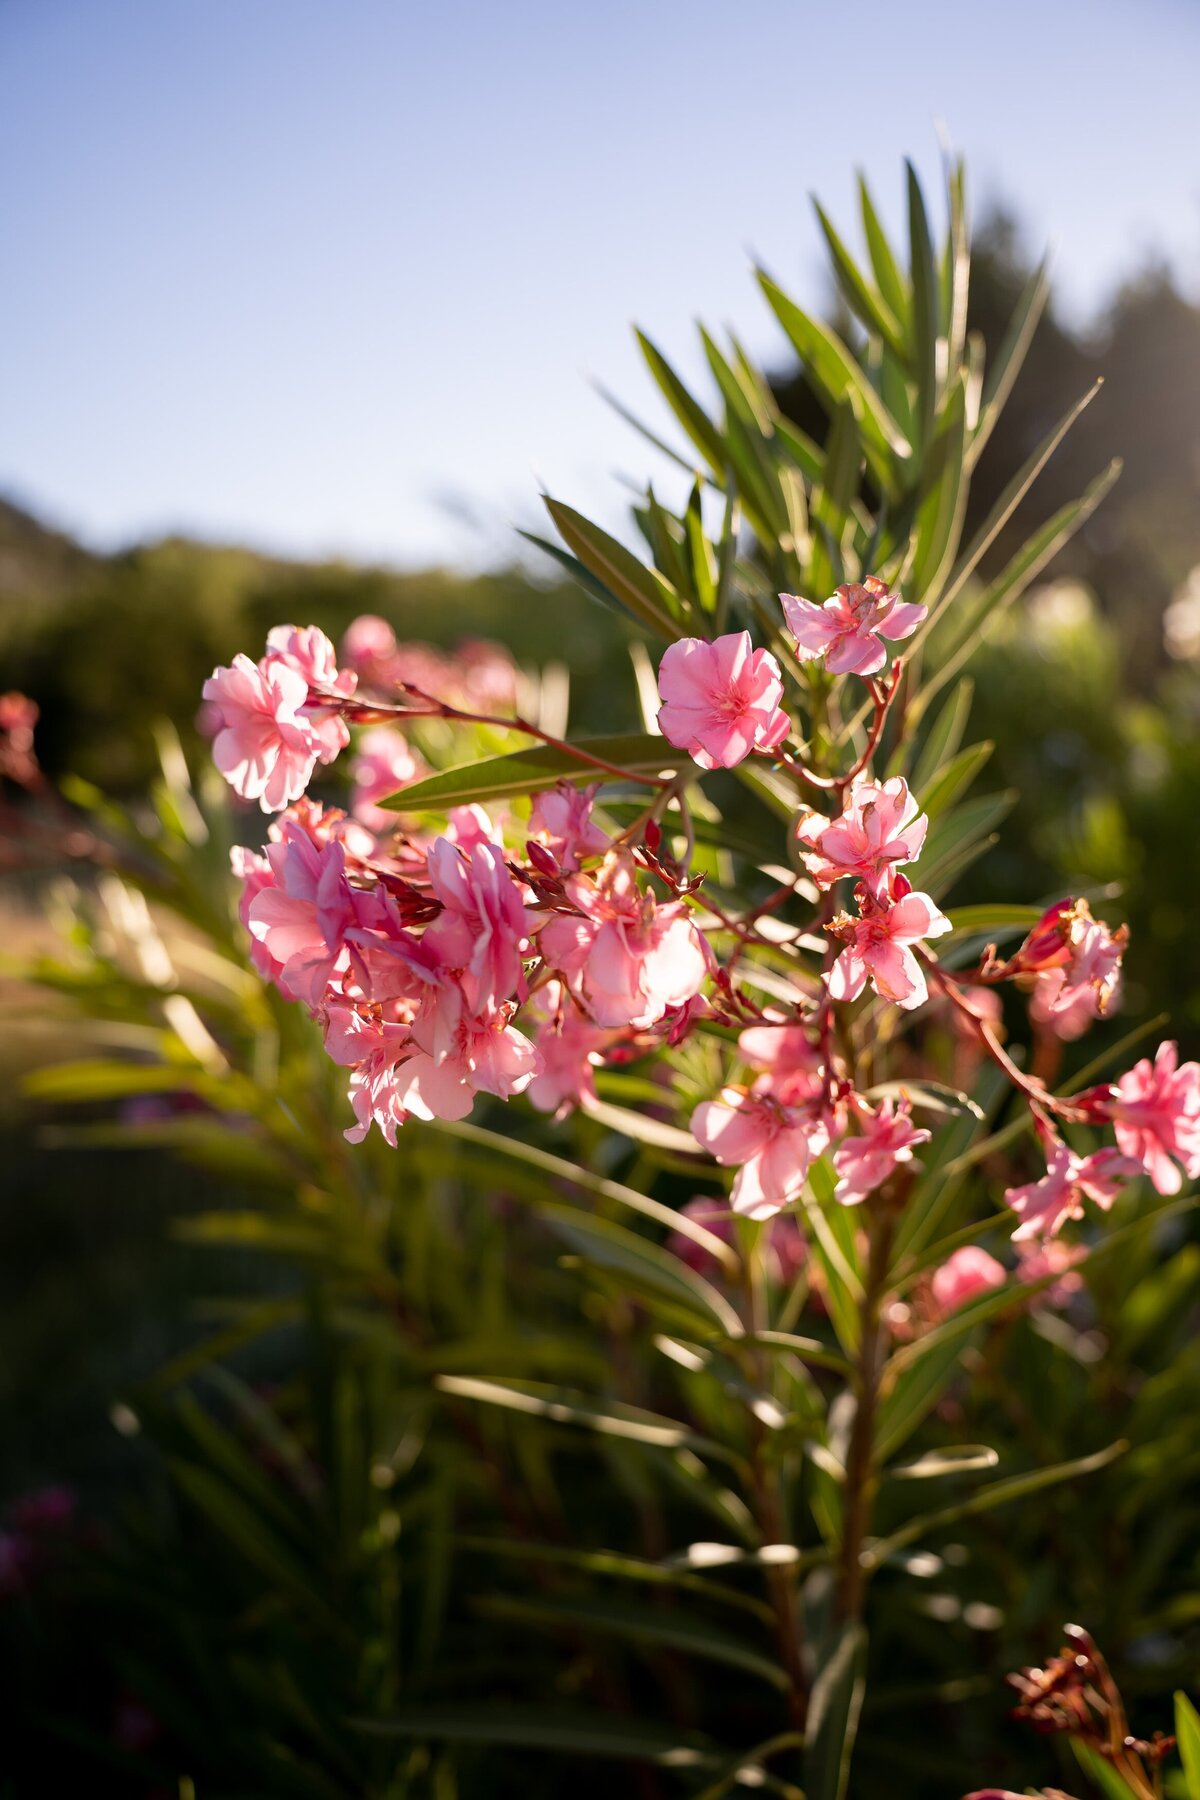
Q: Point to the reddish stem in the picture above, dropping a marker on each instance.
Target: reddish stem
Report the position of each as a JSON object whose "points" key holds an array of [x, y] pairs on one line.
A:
{"points": [[380, 711]]}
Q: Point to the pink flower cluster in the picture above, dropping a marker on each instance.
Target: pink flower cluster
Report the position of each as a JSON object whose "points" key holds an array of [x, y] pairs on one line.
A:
{"points": [[444, 966], [277, 718]]}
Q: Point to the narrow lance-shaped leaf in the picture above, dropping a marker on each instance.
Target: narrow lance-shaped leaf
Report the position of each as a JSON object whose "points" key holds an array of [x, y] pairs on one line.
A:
{"points": [[833, 1715], [541, 766], [872, 309], [892, 284], [687, 409], [649, 598], [943, 500], [835, 374], [925, 322], [997, 1493]]}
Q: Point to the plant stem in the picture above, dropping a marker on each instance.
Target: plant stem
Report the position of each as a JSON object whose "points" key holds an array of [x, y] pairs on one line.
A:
{"points": [[860, 1480]]}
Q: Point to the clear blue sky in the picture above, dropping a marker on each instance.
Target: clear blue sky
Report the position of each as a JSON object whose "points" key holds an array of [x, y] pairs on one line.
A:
{"points": [[292, 273]]}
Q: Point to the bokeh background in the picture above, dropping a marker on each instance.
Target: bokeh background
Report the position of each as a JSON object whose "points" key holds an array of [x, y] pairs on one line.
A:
{"points": [[302, 307]]}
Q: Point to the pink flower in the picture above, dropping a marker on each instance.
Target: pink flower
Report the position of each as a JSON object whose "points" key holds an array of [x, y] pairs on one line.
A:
{"points": [[1044, 1206], [881, 827], [888, 1138], [783, 1051], [847, 629], [1155, 1112], [368, 648], [305, 918], [254, 873], [561, 821], [263, 747], [571, 1048], [383, 764], [782, 1241], [963, 1277], [486, 1055], [310, 653], [721, 700], [467, 826], [625, 958], [483, 927], [879, 947], [1083, 986], [771, 1145], [1052, 1256]]}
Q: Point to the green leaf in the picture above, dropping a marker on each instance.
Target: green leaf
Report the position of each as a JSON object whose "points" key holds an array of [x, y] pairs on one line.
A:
{"points": [[557, 1168], [956, 1459], [997, 1493], [688, 410], [942, 500], [892, 284], [833, 1714], [872, 309], [564, 1406], [994, 918], [639, 1625], [1187, 1730], [541, 766], [618, 1566], [833, 1232], [924, 333], [834, 497], [954, 778], [956, 267], [932, 1096], [651, 437], [1024, 568], [642, 1128], [610, 1246], [1009, 501], [595, 590], [572, 1733], [945, 736], [1112, 1785], [836, 374], [912, 1394], [652, 601]]}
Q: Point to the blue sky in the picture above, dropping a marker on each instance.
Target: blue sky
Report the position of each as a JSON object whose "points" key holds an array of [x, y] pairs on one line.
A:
{"points": [[295, 273]]}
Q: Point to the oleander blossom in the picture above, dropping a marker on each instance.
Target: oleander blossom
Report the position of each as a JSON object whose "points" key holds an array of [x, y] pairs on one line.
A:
{"points": [[721, 699], [880, 828], [771, 1145], [886, 1140], [276, 719], [572, 1049], [1076, 963], [783, 1245], [383, 763], [964, 1276], [1155, 1112], [263, 747], [848, 628], [561, 822], [879, 945], [1044, 1206], [625, 957]]}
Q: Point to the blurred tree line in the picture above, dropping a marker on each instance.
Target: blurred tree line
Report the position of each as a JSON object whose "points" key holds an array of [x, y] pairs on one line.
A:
{"points": [[1094, 722]]}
